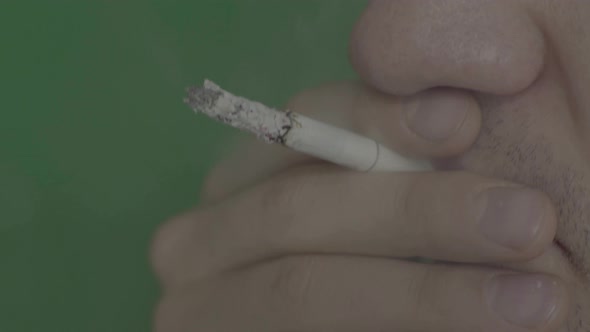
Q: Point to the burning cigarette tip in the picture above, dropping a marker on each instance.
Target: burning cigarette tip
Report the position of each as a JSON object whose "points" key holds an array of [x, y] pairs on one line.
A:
{"points": [[296, 131], [202, 98]]}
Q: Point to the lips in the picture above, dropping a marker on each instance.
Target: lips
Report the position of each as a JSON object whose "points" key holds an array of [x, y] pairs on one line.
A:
{"points": [[576, 261], [563, 248]]}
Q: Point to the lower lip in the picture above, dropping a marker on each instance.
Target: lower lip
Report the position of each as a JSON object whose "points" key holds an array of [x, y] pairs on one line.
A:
{"points": [[563, 248], [568, 255]]}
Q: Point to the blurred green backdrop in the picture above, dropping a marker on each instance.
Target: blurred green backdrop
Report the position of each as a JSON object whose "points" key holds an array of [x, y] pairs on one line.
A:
{"points": [[97, 148]]}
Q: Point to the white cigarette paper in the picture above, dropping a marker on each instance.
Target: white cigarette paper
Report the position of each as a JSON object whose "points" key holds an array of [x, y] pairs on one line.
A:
{"points": [[299, 132]]}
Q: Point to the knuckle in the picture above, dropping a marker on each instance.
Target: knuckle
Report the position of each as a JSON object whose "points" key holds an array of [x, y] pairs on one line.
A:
{"points": [[428, 219], [420, 290], [427, 294], [292, 282], [285, 197], [411, 204], [433, 206], [280, 192]]}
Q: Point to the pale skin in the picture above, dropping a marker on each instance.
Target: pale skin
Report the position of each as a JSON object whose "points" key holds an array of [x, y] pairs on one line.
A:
{"points": [[495, 93]]}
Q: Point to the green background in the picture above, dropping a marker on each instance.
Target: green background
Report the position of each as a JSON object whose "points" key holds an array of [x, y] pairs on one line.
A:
{"points": [[97, 148]]}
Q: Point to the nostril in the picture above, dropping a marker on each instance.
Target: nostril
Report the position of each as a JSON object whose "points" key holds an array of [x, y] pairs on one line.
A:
{"points": [[403, 47]]}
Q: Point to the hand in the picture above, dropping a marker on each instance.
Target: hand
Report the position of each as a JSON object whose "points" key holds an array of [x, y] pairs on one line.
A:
{"points": [[285, 243]]}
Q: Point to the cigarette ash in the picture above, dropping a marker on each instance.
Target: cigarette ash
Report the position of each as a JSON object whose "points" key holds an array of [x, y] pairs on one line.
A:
{"points": [[267, 124], [202, 98]]}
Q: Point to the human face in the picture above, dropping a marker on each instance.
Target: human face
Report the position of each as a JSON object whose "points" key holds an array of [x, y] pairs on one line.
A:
{"points": [[527, 62]]}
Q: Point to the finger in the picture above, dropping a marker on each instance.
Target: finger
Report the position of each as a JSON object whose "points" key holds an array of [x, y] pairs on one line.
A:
{"points": [[552, 261], [433, 124], [446, 216], [336, 293]]}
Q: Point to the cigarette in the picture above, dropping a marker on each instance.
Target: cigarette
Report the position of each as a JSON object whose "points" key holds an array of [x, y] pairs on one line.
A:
{"points": [[298, 132]]}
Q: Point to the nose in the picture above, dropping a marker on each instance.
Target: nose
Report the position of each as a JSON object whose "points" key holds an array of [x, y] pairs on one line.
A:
{"points": [[405, 46]]}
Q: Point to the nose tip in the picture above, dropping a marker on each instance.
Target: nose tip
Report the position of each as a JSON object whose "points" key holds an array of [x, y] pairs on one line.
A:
{"points": [[405, 46]]}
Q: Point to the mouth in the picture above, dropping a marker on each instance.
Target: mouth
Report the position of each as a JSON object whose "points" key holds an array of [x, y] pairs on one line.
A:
{"points": [[566, 251], [578, 265]]}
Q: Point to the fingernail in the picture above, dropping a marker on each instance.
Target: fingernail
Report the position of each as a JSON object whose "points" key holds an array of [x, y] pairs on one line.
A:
{"points": [[435, 119], [512, 217], [524, 300]]}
